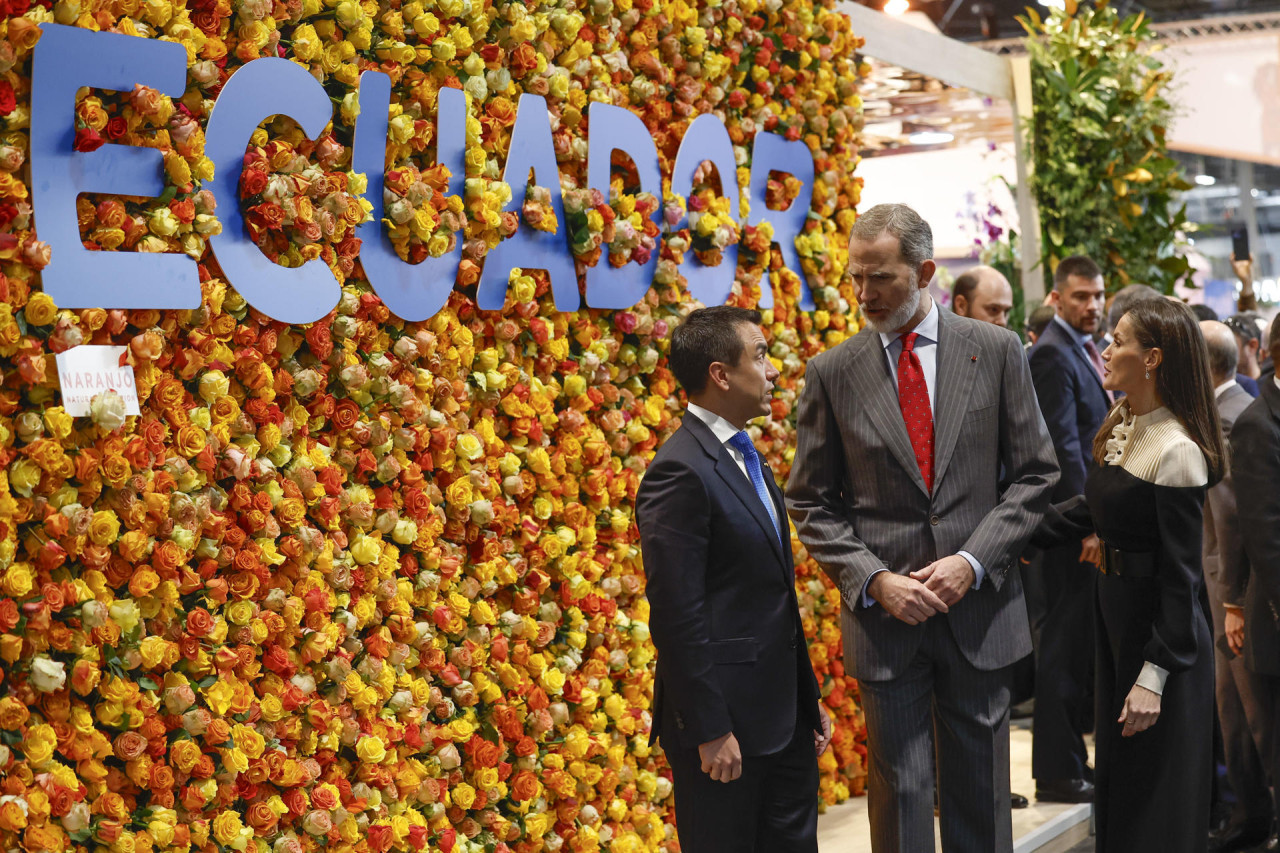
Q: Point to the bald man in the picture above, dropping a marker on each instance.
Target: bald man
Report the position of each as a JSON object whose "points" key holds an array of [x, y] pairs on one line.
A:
{"points": [[982, 293], [1239, 692]]}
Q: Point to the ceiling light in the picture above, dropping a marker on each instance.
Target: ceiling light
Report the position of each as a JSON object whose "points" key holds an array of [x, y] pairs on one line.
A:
{"points": [[1206, 180], [896, 7], [1254, 193], [930, 137]]}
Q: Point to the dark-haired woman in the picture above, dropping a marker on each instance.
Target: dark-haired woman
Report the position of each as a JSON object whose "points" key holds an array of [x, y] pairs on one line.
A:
{"points": [[1157, 452]]}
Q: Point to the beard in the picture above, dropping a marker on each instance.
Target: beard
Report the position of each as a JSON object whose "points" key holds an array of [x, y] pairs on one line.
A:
{"points": [[901, 315]]}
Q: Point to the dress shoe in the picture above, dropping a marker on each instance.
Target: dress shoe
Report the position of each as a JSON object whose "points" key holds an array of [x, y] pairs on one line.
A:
{"points": [[1239, 836], [1272, 845], [1065, 791], [1018, 801]]}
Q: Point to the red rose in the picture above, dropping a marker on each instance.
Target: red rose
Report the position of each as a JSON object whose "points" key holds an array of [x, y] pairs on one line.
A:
{"points": [[8, 101], [88, 139], [252, 182], [117, 127]]}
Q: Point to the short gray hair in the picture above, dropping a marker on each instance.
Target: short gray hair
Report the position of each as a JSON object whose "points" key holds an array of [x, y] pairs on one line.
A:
{"points": [[915, 237], [1224, 358]]}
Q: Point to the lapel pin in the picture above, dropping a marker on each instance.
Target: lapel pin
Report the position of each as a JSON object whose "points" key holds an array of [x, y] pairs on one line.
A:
{"points": [[973, 358]]}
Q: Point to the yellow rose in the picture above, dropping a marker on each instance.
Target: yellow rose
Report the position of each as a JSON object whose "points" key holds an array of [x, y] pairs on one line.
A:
{"points": [[40, 310], [104, 528], [18, 581], [248, 741], [24, 476], [184, 754], [153, 650], [58, 422], [552, 680], [226, 826], [463, 795], [371, 750]]}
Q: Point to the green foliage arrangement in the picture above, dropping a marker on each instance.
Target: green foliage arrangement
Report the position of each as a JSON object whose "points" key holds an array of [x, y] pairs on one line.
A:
{"points": [[1104, 182]]}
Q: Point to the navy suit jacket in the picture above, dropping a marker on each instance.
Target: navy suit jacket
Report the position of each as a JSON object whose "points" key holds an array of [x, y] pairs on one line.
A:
{"points": [[722, 596], [1072, 401]]}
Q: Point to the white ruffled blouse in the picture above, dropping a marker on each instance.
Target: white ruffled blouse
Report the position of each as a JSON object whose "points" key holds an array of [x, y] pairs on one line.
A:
{"points": [[1157, 448]]}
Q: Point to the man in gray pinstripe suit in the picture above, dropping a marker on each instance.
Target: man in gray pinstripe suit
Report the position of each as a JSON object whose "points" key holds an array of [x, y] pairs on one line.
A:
{"points": [[896, 491]]}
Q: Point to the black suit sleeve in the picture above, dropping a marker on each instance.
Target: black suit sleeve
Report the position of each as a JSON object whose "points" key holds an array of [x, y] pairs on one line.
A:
{"points": [[673, 513], [1179, 514], [1255, 475], [1051, 374]]}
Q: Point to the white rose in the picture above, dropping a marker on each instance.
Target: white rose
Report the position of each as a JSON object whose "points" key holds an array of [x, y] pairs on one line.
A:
{"points": [[76, 819], [48, 675], [107, 410]]}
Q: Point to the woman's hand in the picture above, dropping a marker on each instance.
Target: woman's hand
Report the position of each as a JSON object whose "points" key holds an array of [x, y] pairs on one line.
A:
{"points": [[1141, 710]]}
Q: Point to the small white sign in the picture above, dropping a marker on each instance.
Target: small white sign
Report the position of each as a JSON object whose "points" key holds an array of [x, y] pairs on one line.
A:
{"points": [[87, 370]]}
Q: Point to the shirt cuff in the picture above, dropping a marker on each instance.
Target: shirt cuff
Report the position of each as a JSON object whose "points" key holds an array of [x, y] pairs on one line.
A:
{"points": [[1228, 605], [979, 573], [865, 600], [1153, 678]]}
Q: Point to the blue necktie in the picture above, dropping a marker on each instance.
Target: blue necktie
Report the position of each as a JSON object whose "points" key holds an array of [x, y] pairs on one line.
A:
{"points": [[743, 443]]}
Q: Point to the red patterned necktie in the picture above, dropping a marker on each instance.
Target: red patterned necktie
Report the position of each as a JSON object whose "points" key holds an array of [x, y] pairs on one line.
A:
{"points": [[913, 399]]}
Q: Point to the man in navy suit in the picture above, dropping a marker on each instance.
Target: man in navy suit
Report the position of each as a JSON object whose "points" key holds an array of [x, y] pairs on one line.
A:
{"points": [[1066, 369], [736, 704]]}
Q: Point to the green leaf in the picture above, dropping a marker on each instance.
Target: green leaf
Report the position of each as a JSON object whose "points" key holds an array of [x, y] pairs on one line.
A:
{"points": [[147, 684]]}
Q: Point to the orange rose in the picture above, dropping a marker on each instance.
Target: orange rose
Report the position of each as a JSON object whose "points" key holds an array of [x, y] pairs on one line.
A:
{"points": [[262, 818], [190, 441], [324, 797], [199, 622], [525, 786], [128, 746], [115, 470], [161, 778], [184, 754], [218, 733], [143, 583]]}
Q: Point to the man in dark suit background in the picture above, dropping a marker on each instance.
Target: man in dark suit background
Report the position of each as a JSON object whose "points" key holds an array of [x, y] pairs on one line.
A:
{"points": [[1241, 715], [1255, 475], [902, 433], [736, 703], [983, 293], [1066, 369]]}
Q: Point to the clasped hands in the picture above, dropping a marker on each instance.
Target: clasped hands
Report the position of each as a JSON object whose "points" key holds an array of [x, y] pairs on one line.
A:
{"points": [[915, 597]]}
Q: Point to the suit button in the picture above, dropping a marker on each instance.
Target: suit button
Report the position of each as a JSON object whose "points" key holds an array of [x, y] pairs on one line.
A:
{"points": [[934, 520]]}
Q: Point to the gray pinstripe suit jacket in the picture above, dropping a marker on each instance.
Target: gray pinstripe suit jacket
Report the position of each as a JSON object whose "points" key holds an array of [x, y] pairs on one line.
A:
{"points": [[860, 504]]}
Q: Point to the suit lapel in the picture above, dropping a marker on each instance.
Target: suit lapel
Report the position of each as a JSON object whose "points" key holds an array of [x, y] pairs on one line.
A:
{"points": [[871, 378], [956, 367], [728, 471], [1089, 368]]}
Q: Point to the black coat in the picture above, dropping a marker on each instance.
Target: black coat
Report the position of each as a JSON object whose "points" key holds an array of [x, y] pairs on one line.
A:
{"points": [[1255, 474], [723, 609]]}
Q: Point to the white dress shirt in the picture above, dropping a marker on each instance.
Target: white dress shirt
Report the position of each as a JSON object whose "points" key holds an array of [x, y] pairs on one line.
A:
{"points": [[926, 349], [723, 431], [1230, 383]]}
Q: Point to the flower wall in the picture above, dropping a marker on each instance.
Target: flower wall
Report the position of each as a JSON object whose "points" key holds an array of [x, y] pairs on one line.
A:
{"points": [[369, 584]]}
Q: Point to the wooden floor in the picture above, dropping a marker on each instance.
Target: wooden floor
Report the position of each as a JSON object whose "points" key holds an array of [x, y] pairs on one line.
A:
{"points": [[1043, 827]]}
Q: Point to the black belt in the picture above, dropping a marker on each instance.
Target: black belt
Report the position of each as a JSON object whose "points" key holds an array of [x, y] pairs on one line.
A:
{"points": [[1128, 564]]}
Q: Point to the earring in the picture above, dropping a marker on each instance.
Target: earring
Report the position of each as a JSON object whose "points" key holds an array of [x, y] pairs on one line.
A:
{"points": [[1148, 374]]}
